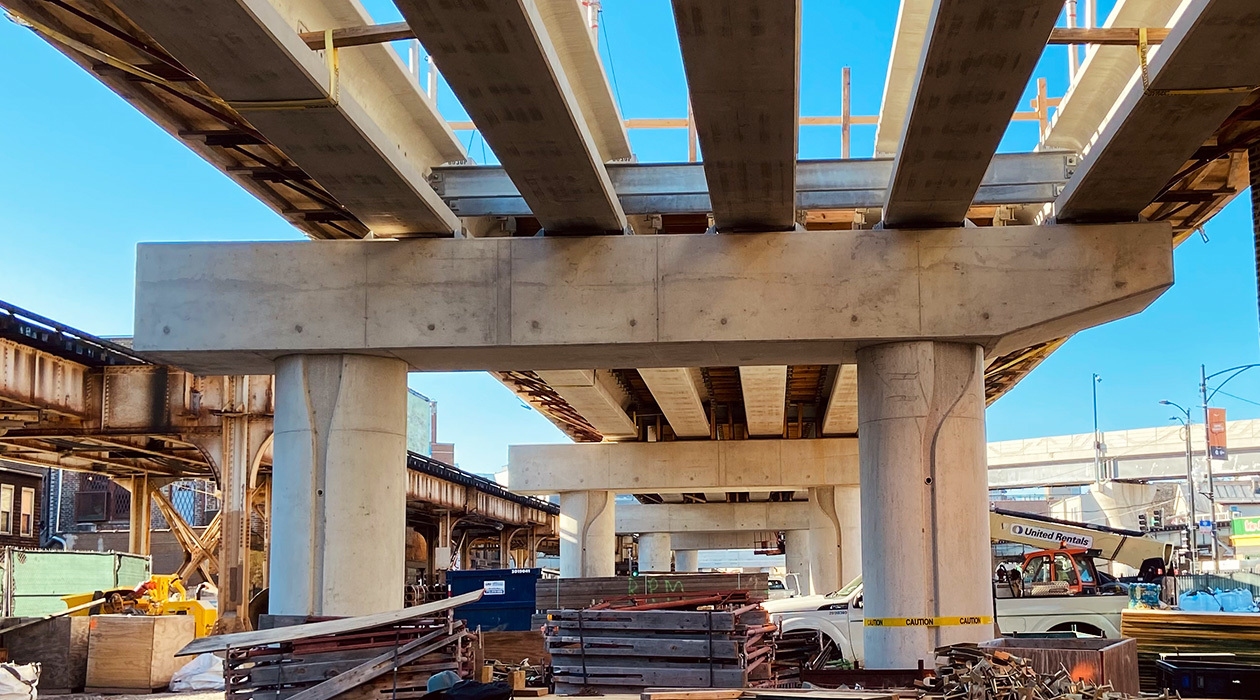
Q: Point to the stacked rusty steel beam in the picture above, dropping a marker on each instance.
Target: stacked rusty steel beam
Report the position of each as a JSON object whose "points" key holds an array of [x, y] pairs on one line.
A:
{"points": [[626, 651]]}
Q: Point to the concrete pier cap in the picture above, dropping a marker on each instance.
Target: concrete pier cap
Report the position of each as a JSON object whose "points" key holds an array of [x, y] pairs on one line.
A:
{"points": [[645, 301]]}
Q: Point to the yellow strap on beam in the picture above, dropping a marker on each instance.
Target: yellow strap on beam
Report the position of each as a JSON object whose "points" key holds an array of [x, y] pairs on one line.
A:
{"points": [[334, 70], [107, 59], [927, 621], [1143, 48]]}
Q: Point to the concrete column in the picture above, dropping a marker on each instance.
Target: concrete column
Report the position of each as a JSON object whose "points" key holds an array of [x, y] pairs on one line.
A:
{"points": [[924, 497], [835, 536], [796, 557], [654, 552], [588, 539], [339, 485], [686, 560]]}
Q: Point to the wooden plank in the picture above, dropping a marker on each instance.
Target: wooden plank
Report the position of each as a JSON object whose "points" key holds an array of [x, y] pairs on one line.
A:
{"points": [[515, 647], [327, 627], [647, 646], [686, 694], [574, 664], [1106, 36], [360, 36]]}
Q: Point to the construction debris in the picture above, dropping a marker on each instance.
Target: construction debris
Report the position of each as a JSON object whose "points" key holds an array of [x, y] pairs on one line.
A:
{"points": [[972, 673]]}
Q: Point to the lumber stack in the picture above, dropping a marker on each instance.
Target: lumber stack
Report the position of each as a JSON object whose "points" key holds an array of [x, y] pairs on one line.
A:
{"points": [[651, 589], [1180, 632], [619, 651]]}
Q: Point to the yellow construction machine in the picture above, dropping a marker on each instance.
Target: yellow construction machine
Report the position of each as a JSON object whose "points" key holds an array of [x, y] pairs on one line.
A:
{"points": [[160, 595]]}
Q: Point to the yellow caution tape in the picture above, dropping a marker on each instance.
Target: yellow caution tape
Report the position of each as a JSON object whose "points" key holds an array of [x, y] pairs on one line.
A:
{"points": [[927, 621]]}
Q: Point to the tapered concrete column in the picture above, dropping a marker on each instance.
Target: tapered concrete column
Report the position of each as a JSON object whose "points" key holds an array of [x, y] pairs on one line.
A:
{"points": [[796, 557], [339, 485], [654, 552], [686, 560], [835, 536], [588, 539], [924, 497]]}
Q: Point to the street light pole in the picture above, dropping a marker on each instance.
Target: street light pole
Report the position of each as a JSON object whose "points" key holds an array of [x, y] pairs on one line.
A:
{"points": [[1207, 430], [1193, 530]]}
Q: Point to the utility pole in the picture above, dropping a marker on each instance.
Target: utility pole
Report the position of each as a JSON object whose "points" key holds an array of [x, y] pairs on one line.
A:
{"points": [[1211, 484]]}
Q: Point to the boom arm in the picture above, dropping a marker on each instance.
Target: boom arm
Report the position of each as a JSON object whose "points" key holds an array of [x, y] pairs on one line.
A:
{"points": [[1125, 546]]}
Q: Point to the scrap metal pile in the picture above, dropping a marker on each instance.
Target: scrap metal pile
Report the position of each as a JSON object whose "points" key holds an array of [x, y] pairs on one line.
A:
{"points": [[972, 673]]}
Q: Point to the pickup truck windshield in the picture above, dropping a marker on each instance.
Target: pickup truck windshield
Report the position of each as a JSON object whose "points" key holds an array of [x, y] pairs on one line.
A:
{"points": [[848, 589]]}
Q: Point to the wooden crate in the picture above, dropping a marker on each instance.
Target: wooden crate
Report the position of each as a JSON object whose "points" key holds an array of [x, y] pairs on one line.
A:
{"points": [[515, 647], [128, 653], [60, 646], [1101, 661]]}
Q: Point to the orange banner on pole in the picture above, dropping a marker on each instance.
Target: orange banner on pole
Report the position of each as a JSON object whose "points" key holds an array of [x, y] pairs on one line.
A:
{"points": [[1216, 433]]}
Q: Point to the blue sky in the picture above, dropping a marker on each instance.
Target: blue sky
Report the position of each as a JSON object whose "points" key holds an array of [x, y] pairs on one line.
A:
{"points": [[84, 177]]}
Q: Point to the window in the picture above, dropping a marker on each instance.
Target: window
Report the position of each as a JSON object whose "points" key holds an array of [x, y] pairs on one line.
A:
{"points": [[6, 509], [28, 512], [1065, 570], [1037, 571]]}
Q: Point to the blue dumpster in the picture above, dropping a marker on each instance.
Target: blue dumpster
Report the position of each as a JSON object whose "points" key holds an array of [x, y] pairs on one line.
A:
{"points": [[507, 603]]}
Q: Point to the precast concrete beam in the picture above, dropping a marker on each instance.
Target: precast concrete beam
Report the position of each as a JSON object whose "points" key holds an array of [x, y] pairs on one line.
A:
{"points": [[913, 18], [971, 76], [677, 392], [841, 417], [596, 395], [501, 63], [638, 301], [742, 59], [1208, 64], [764, 388], [1104, 75], [710, 541], [578, 51], [683, 466], [371, 147], [712, 517]]}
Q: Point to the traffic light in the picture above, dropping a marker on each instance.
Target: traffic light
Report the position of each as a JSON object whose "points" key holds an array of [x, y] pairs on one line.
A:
{"points": [[1142, 522], [1157, 518]]}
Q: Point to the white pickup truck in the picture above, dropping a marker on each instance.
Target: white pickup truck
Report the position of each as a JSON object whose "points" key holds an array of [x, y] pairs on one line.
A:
{"points": [[839, 615]]}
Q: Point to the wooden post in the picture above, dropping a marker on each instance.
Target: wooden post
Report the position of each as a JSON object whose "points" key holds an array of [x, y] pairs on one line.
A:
{"points": [[845, 117], [1043, 111], [691, 133]]}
